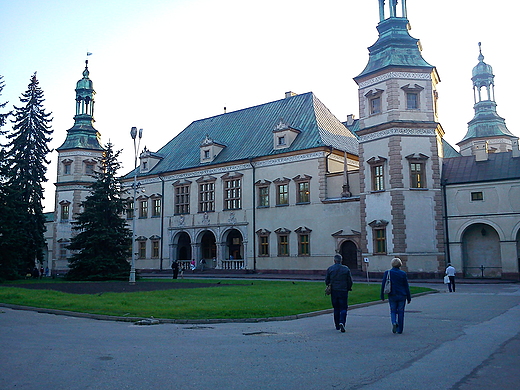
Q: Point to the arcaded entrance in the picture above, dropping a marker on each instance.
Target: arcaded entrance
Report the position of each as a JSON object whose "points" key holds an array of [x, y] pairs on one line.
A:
{"points": [[481, 252]]}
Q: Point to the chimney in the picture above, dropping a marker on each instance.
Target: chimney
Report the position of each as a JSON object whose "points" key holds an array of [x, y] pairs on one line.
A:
{"points": [[480, 150], [515, 151], [290, 94], [350, 119]]}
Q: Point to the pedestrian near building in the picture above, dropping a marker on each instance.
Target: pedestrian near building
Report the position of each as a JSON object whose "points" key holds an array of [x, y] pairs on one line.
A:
{"points": [[450, 272], [175, 268], [399, 294], [340, 280]]}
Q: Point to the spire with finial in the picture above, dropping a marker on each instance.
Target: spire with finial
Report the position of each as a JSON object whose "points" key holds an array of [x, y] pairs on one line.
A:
{"points": [[486, 123], [83, 135]]}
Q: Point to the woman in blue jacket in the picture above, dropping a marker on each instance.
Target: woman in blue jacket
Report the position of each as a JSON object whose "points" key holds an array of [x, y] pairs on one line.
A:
{"points": [[399, 294]]}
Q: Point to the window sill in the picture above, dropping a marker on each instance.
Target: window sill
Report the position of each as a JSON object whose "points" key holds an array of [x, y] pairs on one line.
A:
{"points": [[303, 203], [418, 189], [282, 205], [377, 192]]}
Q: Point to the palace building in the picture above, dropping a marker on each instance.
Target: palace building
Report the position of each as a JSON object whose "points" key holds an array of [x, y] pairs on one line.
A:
{"points": [[283, 186]]}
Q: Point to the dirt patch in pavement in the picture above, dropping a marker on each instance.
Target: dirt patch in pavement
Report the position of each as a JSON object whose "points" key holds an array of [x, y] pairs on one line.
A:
{"points": [[118, 287]]}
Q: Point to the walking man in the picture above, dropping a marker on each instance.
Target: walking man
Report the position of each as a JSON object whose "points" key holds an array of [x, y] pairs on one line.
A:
{"points": [[340, 280], [450, 271]]}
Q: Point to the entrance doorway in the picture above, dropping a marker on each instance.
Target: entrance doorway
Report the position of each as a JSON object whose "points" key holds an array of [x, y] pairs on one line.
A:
{"points": [[234, 245], [349, 253]]}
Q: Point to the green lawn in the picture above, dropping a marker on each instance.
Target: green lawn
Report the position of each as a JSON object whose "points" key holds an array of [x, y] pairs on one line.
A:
{"points": [[233, 299]]}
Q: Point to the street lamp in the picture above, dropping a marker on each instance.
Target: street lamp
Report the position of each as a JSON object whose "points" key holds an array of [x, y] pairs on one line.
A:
{"points": [[133, 134]]}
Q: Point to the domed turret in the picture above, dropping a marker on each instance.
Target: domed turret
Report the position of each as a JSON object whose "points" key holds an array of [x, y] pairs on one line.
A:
{"points": [[486, 124]]}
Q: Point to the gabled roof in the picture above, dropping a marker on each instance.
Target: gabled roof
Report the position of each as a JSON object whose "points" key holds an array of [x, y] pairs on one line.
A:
{"points": [[448, 150], [249, 133], [498, 166]]}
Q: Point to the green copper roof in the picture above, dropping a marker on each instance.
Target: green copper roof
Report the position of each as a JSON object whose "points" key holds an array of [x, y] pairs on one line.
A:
{"points": [[486, 122], [448, 150], [83, 135], [249, 133], [394, 47]]}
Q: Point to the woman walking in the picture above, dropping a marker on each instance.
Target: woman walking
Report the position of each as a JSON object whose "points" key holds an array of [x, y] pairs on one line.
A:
{"points": [[399, 294]]}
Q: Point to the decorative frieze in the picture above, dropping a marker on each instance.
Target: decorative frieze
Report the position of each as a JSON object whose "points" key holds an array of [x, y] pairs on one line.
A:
{"points": [[395, 75], [397, 131]]}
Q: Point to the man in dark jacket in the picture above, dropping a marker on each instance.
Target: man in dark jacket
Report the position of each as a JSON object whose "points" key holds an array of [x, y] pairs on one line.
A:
{"points": [[340, 280]]}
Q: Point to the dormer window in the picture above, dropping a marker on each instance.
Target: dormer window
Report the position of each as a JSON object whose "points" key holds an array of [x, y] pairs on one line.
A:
{"points": [[209, 150], [284, 135], [148, 160]]}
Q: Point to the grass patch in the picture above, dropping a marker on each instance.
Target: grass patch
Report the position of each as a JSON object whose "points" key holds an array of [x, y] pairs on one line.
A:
{"points": [[233, 299]]}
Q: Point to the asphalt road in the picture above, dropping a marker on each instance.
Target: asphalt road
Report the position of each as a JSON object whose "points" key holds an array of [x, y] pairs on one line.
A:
{"points": [[464, 340]]}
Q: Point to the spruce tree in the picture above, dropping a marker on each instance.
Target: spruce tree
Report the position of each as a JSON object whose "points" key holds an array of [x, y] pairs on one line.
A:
{"points": [[8, 252], [24, 173], [103, 241]]}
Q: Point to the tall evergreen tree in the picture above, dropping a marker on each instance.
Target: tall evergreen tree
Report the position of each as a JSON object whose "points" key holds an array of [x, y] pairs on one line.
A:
{"points": [[25, 169], [8, 218], [103, 240]]}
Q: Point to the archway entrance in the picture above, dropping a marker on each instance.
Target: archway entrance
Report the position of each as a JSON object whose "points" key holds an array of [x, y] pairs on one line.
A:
{"points": [[208, 248], [183, 246], [481, 252], [234, 245], [349, 253]]}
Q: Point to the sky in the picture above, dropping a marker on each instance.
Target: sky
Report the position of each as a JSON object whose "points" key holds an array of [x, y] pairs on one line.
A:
{"points": [[161, 64]]}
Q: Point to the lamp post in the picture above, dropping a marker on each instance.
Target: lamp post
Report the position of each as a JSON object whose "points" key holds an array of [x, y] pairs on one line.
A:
{"points": [[133, 134]]}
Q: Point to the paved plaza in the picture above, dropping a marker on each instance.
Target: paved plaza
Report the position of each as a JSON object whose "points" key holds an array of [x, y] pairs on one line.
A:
{"points": [[464, 340]]}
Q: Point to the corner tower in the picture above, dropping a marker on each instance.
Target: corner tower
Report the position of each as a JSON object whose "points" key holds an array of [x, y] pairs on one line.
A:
{"points": [[487, 127], [400, 150], [77, 158]]}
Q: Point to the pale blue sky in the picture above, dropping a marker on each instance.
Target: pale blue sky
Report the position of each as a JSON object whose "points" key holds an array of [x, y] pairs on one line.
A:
{"points": [[161, 64]]}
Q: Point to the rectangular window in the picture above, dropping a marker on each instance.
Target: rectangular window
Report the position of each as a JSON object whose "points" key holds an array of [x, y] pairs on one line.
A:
{"points": [[89, 169], [206, 197], [282, 195], [143, 209], [264, 246], [155, 249], [263, 196], [304, 192], [65, 212], [66, 169], [375, 105], [156, 207], [141, 253], [379, 240], [182, 199], [412, 101], [378, 178], [63, 251], [477, 196], [232, 194], [129, 209], [303, 249], [417, 179], [283, 245], [281, 140]]}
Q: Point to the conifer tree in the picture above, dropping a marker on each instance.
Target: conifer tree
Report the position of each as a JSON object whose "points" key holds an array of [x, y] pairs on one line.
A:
{"points": [[7, 209], [103, 241], [24, 173]]}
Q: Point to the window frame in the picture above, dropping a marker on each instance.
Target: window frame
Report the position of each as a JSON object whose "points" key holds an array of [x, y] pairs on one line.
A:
{"points": [[156, 207], [418, 179], [156, 249], [283, 241], [477, 196], [143, 208], [233, 193], [263, 242], [206, 199], [182, 198], [141, 249]]}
